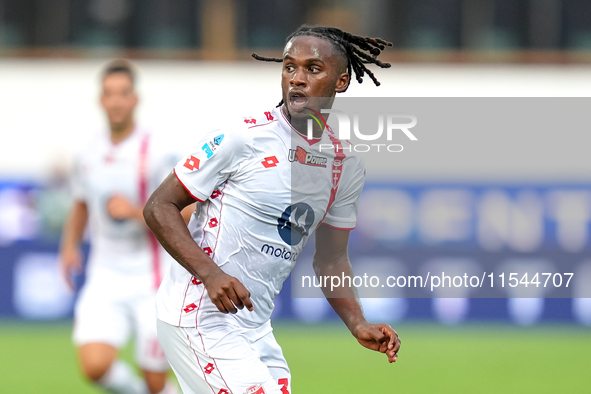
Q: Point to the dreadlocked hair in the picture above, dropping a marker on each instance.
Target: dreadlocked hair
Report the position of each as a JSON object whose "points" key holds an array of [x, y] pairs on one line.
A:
{"points": [[358, 50]]}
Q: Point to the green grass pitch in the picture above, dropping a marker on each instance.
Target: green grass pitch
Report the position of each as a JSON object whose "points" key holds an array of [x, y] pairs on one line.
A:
{"points": [[473, 358]]}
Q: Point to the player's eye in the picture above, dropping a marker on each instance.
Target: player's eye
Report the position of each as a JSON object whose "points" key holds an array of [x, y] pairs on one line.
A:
{"points": [[289, 67], [314, 69]]}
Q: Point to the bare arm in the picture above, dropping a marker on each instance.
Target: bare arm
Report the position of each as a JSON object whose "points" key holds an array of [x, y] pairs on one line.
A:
{"points": [[70, 255], [163, 215], [331, 259], [120, 208]]}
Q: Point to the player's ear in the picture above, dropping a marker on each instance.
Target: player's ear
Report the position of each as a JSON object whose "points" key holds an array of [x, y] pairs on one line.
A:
{"points": [[342, 82]]}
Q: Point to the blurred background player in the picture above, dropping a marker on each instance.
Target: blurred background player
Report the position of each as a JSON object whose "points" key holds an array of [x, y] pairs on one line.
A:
{"points": [[112, 179]]}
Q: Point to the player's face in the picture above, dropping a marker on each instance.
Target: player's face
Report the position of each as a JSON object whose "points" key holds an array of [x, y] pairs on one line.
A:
{"points": [[118, 99], [311, 68]]}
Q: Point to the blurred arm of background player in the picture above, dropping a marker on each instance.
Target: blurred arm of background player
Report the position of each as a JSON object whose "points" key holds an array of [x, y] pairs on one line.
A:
{"points": [[70, 254], [163, 216], [331, 258], [118, 207]]}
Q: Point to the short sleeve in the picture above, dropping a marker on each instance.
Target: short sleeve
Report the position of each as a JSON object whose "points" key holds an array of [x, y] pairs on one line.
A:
{"points": [[342, 214], [77, 188], [212, 162]]}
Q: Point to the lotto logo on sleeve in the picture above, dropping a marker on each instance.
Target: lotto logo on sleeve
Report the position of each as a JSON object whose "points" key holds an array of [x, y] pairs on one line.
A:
{"points": [[192, 163]]}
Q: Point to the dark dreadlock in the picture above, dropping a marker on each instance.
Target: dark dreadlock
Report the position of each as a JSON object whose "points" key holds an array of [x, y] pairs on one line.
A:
{"points": [[350, 46]]}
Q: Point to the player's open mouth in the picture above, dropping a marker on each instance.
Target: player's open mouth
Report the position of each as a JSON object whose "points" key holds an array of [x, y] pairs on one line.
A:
{"points": [[298, 100]]}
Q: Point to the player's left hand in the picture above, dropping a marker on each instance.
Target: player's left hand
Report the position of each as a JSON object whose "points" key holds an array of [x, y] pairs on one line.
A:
{"points": [[120, 208], [379, 337]]}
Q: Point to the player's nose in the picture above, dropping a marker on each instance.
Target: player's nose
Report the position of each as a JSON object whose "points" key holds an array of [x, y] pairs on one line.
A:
{"points": [[298, 78]]}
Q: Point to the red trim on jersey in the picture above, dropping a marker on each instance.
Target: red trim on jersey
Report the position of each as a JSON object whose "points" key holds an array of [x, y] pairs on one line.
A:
{"points": [[337, 228], [203, 343], [219, 221], [199, 363], [262, 124], [309, 141], [143, 189], [183, 304], [337, 168], [188, 191], [205, 226]]}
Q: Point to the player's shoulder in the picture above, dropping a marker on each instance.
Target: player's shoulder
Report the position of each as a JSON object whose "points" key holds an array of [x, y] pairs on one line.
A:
{"points": [[266, 117], [159, 142], [243, 128], [353, 160], [91, 144]]}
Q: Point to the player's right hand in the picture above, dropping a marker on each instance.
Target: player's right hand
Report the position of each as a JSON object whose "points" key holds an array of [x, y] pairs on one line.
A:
{"points": [[227, 293], [120, 208], [70, 264]]}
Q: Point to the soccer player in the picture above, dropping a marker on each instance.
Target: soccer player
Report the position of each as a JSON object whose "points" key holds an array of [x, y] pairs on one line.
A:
{"points": [[113, 177], [257, 206]]}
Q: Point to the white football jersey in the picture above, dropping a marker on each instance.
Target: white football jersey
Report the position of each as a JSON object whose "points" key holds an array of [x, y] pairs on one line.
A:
{"points": [[132, 168], [263, 189]]}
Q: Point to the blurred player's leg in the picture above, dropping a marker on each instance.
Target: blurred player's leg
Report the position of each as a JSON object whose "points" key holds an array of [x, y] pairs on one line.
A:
{"points": [[148, 352], [98, 343], [121, 379]]}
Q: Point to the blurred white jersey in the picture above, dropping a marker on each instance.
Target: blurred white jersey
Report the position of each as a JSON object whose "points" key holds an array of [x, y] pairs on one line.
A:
{"points": [[122, 250], [264, 189]]}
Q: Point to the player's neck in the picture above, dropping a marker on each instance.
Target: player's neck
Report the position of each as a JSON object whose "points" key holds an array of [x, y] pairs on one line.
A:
{"points": [[121, 132], [301, 127]]}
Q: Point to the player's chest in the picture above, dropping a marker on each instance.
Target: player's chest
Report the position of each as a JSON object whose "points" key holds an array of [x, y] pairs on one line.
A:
{"points": [[108, 168], [276, 179]]}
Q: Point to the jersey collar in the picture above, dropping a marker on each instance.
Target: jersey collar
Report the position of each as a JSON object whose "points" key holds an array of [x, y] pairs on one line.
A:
{"points": [[288, 128]]}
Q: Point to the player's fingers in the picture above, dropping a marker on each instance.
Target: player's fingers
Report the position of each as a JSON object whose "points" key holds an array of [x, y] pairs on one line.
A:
{"points": [[244, 296], [70, 265], [377, 335], [391, 333], [397, 345], [392, 357], [380, 340], [217, 301], [68, 278], [228, 305], [76, 265], [234, 298]]}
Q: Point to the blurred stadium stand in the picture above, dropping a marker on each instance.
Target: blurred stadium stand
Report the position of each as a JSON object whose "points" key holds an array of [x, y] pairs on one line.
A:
{"points": [[192, 57], [421, 30]]}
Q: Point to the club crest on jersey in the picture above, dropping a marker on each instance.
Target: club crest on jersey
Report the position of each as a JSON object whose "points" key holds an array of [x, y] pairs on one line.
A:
{"points": [[210, 147], [336, 172], [258, 389], [295, 223], [304, 157]]}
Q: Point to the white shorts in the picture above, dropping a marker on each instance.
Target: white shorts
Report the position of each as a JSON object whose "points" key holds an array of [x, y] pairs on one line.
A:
{"points": [[103, 315], [225, 359]]}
